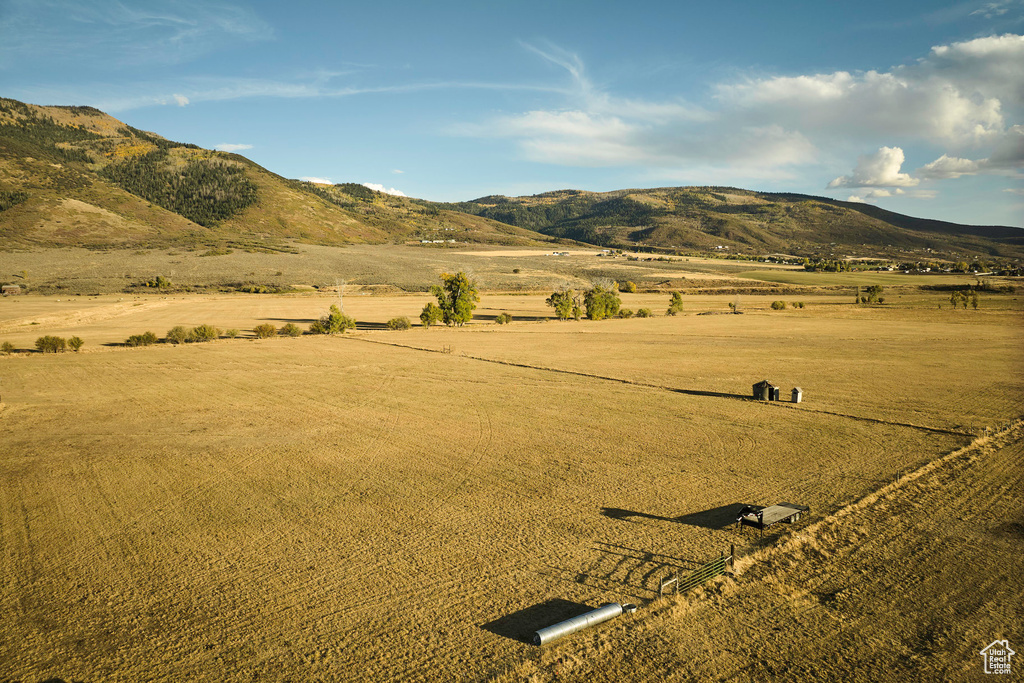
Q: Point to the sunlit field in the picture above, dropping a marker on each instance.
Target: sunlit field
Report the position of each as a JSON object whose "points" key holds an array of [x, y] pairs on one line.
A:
{"points": [[411, 505]]}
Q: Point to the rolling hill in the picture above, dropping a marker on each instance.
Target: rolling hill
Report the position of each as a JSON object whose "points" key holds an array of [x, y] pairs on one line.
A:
{"points": [[75, 176], [741, 221]]}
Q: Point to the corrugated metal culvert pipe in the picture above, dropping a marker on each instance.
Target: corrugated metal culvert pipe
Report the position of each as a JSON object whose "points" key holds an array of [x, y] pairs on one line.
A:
{"points": [[592, 618]]}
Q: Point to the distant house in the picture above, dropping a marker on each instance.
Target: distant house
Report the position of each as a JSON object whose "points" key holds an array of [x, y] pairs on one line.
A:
{"points": [[11, 290]]}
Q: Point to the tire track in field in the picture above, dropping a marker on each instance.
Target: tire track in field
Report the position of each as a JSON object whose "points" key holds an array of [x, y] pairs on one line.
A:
{"points": [[677, 390]]}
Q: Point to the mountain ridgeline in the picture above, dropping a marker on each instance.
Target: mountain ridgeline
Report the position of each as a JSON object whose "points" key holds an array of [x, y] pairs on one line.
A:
{"points": [[739, 221], [74, 176]]}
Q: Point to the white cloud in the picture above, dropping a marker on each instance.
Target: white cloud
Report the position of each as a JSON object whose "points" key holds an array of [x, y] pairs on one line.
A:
{"points": [[960, 98], [881, 169], [397, 171], [948, 167], [386, 190], [318, 181], [169, 32], [181, 100], [231, 147], [991, 10], [1014, 190], [1007, 157]]}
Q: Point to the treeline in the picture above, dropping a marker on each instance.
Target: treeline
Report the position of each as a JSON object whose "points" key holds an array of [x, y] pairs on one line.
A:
{"points": [[205, 192], [43, 134]]}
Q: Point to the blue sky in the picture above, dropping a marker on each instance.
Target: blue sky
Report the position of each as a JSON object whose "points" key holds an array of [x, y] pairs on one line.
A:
{"points": [[917, 107]]}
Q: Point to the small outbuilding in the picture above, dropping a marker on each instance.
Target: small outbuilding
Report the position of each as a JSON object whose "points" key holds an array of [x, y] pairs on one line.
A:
{"points": [[766, 391], [10, 290], [798, 394]]}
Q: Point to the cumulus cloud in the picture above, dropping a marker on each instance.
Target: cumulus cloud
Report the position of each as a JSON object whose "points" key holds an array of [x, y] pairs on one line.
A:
{"points": [[881, 169], [958, 99], [1007, 157], [231, 147], [386, 190], [181, 100], [318, 181], [948, 167]]}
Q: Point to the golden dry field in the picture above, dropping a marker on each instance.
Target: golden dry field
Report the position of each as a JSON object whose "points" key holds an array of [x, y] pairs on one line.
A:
{"points": [[412, 505]]}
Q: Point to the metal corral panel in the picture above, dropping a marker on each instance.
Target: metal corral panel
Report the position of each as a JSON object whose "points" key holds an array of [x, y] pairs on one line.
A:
{"points": [[564, 628]]}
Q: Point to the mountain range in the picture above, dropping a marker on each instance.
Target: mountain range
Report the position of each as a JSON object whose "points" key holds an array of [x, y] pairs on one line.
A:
{"points": [[75, 176]]}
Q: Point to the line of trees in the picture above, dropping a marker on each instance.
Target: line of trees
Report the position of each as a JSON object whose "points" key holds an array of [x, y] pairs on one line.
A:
{"points": [[962, 298]]}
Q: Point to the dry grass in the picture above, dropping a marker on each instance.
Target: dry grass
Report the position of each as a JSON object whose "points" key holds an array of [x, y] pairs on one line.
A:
{"points": [[908, 584], [339, 509]]}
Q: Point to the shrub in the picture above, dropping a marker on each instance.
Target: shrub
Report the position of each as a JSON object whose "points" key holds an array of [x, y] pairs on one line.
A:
{"points": [[232, 333], [625, 313], [503, 319], [515, 271], [7, 348], [264, 331], [778, 305], [144, 339], [203, 333], [177, 335], [431, 315], [644, 313], [400, 323], [334, 322], [675, 304], [601, 303], [49, 344], [797, 304], [627, 286], [291, 330], [160, 282], [75, 343]]}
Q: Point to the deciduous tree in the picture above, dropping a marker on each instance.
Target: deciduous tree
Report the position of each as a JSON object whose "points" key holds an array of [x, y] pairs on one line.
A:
{"points": [[456, 297]]}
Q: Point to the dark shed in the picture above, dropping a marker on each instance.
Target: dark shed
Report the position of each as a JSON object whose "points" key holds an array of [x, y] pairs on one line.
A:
{"points": [[762, 390]]}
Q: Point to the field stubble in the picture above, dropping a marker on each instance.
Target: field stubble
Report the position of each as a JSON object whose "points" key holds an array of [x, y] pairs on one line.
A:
{"points": [[343, 510]]}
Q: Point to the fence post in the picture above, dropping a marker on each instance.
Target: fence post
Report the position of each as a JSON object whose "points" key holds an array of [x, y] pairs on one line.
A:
{"points": [[732, 556]]}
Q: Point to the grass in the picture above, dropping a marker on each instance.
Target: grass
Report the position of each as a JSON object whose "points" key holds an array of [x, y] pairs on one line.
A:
{"points": [[183, 512]]}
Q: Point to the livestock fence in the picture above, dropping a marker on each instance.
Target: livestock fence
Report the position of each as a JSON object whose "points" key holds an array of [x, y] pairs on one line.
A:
{"points": [[676, 583]]}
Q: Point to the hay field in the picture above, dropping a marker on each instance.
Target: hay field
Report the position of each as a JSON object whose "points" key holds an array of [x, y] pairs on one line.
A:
{"points": [[371, 508], [909, 584]]}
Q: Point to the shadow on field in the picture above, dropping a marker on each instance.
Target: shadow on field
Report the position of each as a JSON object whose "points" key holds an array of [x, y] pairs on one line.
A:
{"points": [[715, 394], [521, 625], [716, 518], [515, 318], [297, 321], [625, 515]]}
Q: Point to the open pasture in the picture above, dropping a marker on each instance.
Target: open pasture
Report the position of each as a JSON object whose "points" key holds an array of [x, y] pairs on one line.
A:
{"points": [[356, 509]]}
